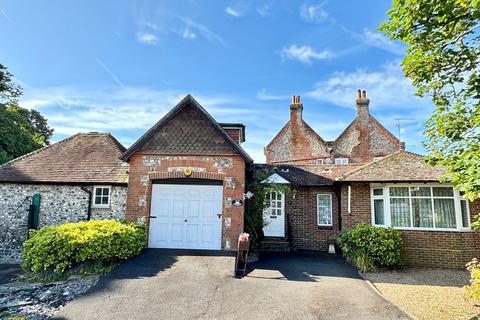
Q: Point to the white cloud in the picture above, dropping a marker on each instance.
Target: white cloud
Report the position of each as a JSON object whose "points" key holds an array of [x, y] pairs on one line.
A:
{"points": [[385, 87], [203, 30], [233, 12], [187, 34], [6, 16], [379, 41], [313, 13], [304, 54], [110, 72], [147, 38], [264, 10], [264, 96]]}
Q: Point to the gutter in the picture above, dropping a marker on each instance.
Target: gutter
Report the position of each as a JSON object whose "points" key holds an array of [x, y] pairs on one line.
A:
{"points": [[89, 208]]}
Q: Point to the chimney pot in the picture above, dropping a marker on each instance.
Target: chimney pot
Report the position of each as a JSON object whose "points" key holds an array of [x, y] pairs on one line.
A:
{"points": [[359, 94], [364, 94]]}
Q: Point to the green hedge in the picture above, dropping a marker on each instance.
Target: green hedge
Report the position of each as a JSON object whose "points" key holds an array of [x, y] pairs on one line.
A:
{"points": [[59, 248], [367, 247]]}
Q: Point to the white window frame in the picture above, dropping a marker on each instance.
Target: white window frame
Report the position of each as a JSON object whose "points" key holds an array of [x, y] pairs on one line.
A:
{"points": [[386, 203], [331, 210], [268, 210], [94, 205], [319, 161], [341, 161], [377, 158]]}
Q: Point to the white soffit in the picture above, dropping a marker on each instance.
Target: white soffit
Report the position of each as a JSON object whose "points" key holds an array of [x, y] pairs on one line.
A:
{"points": [[275, 178]]}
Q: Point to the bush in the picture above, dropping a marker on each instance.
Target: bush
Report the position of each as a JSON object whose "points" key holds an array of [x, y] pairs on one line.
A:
{"points": [[473, 289], [367, 247], [59, 248]]}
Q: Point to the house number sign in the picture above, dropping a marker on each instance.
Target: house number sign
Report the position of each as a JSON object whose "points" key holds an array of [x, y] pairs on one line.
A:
{"points": [[237, 202]]}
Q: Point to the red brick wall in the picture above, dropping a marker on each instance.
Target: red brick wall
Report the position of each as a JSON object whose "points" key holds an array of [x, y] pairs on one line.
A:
{"points": [[231, 167], [422, 248], [234, 134], [303, 231]]}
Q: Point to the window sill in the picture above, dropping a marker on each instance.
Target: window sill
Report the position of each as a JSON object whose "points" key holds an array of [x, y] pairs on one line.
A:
{"points": [[325, 226], [427, 229], [100, 207]]}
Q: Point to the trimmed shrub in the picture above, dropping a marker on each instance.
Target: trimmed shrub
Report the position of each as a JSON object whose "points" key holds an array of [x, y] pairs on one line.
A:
{"points": [[59, 248], [367, 247], [473, 289]]}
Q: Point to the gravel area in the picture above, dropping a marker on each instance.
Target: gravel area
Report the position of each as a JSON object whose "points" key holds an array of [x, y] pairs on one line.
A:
{"points": [[427, 293], [41, 301]]}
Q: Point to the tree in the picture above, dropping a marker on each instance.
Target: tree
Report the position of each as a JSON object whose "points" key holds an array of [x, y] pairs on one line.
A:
{"points": [[21, 130], [442, 61]]}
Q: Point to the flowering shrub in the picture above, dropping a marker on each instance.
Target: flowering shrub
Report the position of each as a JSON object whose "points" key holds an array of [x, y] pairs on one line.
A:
{"points": [[59, 248], [473, 289]]}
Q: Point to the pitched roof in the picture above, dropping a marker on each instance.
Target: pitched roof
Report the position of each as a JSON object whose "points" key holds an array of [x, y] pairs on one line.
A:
{"points": [[84, 158], [399, 166], [187, 129], [295, 175]]}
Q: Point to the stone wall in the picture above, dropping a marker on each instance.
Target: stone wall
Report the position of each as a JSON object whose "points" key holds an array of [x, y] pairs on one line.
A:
{"points": [[59, 204]]}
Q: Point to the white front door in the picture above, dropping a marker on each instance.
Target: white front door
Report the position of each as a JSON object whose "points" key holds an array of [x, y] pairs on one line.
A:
{"points": [[186, 216], [274, 215]]}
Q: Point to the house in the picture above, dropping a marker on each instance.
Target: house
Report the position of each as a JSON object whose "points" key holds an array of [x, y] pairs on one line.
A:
{"points": [[187, 178], [79, 178], [364, 176]]}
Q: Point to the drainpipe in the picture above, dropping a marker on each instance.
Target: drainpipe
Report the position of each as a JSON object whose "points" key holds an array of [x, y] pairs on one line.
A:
{"points": [[89, 208]]}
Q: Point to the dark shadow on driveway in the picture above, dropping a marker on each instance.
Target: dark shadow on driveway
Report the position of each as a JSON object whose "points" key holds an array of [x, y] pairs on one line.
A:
{"points": [[8, 272], [302, 267]]}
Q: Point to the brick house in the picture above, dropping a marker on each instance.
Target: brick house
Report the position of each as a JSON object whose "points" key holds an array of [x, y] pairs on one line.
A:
{"points": [[364, 176], [187, 176]]}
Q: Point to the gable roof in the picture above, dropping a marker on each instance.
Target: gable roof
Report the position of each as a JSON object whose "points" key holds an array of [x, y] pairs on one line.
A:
{"points": [[84, 158], [397, 167], [287, 125], [295, 175], [192, 138]]}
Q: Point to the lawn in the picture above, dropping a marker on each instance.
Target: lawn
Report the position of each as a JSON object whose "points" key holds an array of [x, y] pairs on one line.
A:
{"points": [[427, 293]]}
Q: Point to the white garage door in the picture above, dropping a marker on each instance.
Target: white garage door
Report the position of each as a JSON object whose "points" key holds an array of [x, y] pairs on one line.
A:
{"points": [[186, 216]]}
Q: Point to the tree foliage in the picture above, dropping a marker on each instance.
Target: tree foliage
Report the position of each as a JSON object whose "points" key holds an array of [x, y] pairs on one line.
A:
{"points": [[21, 130], [443, 62]]}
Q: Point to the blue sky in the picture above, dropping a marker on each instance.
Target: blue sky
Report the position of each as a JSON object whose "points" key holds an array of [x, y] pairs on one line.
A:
{"points": [[119, 66]]}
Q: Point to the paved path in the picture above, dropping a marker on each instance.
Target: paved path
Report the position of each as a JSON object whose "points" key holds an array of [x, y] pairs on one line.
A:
{"points": [[8, 272], [162, 284]]}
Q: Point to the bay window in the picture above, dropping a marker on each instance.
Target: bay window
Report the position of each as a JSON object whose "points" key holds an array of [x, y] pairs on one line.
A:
{"points": [[425, 207]]}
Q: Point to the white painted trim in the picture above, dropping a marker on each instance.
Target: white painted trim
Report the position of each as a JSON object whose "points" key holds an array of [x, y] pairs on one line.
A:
{"points": [[386, 202], [349, 200], [341, 161], [101, 206], [331, 210], [276, 178]]}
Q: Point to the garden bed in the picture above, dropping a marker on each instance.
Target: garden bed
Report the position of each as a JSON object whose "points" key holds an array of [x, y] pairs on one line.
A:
{"points": [[427, 293]]}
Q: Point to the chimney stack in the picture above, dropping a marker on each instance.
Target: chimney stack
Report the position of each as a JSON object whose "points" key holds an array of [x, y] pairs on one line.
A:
{"points": [[296, 108], [362, 104]]}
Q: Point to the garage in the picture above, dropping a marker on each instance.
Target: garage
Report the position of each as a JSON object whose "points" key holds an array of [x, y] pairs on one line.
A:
{"points": [[186, 216]]}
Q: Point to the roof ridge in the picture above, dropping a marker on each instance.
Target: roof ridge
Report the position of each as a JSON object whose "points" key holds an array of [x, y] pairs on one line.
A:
{"points": [[39, 150]]}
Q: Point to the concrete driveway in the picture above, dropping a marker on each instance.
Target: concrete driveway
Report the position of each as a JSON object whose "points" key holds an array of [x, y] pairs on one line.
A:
{"points": [[164, 284]]}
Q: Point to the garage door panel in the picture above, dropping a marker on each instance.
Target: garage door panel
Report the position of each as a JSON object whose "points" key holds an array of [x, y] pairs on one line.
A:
{"points": [[186, 216], [176, 232], [192, 233], [193, 208], [207, 233]]}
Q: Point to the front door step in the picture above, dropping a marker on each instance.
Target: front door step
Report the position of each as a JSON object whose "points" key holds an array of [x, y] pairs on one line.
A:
{"points": [[274, 246]]}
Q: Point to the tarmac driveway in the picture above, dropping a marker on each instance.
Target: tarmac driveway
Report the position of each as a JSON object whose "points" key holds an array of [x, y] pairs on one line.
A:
{"points": [[166, 284]]}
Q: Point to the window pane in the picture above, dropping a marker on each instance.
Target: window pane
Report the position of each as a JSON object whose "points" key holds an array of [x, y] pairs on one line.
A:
{"points": [[98, 191], [324, 212], [98, 200], [377, 192], [465, 217], [106, 191], [420, 191], [422, 213], [378, 211], [445, 213], [104, 200], [399, 191], [400, 211], [442, 192]]}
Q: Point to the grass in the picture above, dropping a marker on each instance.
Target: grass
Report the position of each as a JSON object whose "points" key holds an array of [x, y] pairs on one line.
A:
{"points": [[428, 293]]}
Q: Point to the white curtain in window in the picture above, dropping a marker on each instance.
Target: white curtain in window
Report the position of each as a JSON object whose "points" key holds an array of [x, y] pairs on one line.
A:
{"points": [[400, 212], [422, 212], [445, 213]]}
